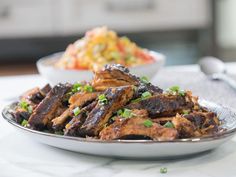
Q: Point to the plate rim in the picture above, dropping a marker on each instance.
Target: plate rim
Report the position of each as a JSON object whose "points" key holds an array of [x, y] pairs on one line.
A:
{"points": [[214, 137]]}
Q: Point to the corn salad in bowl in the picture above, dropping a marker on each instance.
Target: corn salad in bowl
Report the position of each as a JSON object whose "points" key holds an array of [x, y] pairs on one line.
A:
{"points": [[97, 48], [101, 46]]}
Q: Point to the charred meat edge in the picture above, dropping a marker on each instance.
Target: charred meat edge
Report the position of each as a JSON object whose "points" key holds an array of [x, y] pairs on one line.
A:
{"points": [[196, 124], [162, 105], [47, 109], [73, 127], [36, 95], [77, 100], [33, 97], [135, 127], [117, 75], [98, 117]]}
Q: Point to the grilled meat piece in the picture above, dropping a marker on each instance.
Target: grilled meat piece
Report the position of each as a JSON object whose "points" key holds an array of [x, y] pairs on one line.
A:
{"points": [[135, 127], [139, 113], [113, 76], [205, 122], [73, 127], [35, 95], [185, 128], [20, 114], [146, 87], [118, 75], [203, 119], [196, 124], [98, 117], [32, 97], [79, 99], [162, 120], [162, 105], [50, 107], [59, 122], [45, 90], [103, 84]]}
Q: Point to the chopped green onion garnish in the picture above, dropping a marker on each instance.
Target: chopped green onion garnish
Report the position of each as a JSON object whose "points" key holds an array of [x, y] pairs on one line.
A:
{"points": [[76, 111], [76, 87], [185, 112], [102, 99], [147, 123], [24, 105], [169, 125], [88, 88], [102, 96], [30, 109], [24, 123], [80, 87], [163, 170], [119, 112], [182, 93], [113, 118], [145, 80], [127, 113], [146, 95], [175, 90]]}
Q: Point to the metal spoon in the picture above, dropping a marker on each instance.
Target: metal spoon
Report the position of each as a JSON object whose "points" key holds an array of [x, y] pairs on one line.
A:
{"points": [[216, 70]]}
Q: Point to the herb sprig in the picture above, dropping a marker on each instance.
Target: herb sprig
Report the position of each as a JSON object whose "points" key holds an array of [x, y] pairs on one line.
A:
{"points": [[24, 123], [76, 111], [125, 113], [144, 80], [26, 106], [163, 170], [169, 125], [186, 112], [175, 90], [148, 123], [102, 100], [144, 96], [79, 87]]}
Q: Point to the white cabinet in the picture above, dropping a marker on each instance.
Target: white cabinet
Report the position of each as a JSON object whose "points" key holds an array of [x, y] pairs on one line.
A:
{"points": [[134, 15], [22, 18]]}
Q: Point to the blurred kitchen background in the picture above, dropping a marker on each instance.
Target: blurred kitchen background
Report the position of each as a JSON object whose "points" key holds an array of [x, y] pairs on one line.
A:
{"points": [[184, 30]]}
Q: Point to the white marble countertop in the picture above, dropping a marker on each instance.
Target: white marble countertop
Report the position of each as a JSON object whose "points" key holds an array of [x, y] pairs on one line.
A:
{"points": [[23, 157]]}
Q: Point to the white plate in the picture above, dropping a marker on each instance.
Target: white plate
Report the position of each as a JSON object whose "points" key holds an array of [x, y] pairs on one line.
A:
{"points": [[56, 75], [139, 149]]}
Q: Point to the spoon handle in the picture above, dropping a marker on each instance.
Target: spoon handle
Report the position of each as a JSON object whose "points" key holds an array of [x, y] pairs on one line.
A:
{"points": [[226, 79]]}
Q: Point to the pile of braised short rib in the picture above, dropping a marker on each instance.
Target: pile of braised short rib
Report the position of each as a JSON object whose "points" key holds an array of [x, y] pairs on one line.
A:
{"points": [[115, 105]]}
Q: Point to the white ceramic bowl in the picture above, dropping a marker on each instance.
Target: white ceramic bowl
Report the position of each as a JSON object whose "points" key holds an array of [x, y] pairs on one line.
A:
{"points": [[55, 75]]}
